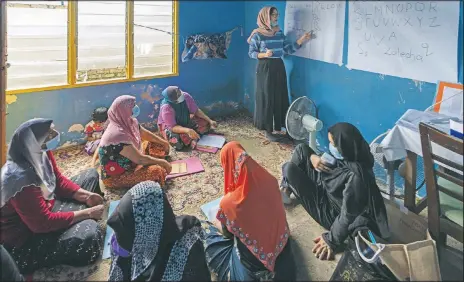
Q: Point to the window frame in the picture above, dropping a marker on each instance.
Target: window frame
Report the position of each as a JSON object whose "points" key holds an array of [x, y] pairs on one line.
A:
{"points": [[72, 57]]}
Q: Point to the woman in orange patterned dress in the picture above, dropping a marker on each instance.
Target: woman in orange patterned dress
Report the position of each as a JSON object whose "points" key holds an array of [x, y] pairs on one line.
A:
{"points": [[129, 153]]}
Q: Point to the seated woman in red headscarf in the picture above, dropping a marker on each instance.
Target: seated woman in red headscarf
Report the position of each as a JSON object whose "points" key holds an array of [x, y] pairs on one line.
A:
{"points": [[180, 120], [129, 153], [250, 238]]}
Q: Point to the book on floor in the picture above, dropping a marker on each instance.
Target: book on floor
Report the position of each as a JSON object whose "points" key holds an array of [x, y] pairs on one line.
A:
{"points": [[216, 141], [210, 209], [179, 168], [193, 165], [109, 232]]}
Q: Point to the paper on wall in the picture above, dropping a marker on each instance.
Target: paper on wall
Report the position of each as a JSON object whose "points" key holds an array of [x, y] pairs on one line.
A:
{"points": [[327, 21], [416, 40]]}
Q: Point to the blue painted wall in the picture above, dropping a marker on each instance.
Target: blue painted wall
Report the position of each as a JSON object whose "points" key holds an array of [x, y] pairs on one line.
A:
{"points": [[209, 81], [371, 101]]}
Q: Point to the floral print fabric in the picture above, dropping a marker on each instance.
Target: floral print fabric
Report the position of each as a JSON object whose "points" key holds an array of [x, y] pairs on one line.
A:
{"points": [[118, 171], [180, 141]]}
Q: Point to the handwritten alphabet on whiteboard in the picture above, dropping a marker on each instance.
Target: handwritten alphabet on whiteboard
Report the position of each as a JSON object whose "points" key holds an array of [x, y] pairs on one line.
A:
{"points": [[416, 40], [327, 21]]}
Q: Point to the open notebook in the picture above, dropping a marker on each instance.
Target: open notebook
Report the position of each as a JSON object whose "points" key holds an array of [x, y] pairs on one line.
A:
{"points": [[109, 232], [192, 165], [210, 209]]}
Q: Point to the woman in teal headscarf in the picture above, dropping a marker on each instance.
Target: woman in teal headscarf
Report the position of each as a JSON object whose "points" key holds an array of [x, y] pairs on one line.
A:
{"points": [[180, 120]]}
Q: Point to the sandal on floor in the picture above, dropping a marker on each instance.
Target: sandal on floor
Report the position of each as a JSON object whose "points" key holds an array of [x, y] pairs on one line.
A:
{"points": [[271, 137]]}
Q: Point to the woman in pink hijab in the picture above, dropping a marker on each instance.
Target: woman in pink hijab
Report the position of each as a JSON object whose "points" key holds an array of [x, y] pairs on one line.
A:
{"points": [[268, 44], [125, 159]]}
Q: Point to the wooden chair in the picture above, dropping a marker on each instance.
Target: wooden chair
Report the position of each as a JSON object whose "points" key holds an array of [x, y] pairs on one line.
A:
{"points": [[444, 186]]}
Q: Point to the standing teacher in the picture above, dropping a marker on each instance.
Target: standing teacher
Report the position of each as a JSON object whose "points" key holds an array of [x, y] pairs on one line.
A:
{"points": [[268, 44]]}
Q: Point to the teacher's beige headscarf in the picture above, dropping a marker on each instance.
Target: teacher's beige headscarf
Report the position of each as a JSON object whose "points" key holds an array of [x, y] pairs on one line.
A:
{"points": [[264, 23]]}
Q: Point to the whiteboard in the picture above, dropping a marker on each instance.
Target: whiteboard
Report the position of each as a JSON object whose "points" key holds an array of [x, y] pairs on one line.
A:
{"points": [[326, 19], [417, 40]]}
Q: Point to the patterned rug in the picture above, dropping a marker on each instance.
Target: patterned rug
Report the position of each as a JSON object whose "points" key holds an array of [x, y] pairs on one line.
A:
{"points": [[186, 194]]}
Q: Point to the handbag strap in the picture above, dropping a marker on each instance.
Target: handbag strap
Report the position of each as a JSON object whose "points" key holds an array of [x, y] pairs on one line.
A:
{"points": [[377, 246]]}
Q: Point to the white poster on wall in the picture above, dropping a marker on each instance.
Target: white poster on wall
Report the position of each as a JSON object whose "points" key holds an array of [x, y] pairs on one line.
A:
{"points": [[327, 21], [416, 40]]}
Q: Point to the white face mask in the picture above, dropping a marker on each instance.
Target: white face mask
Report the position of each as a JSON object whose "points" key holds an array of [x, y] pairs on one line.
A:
{"points": [[53, 143], [180, 99]]}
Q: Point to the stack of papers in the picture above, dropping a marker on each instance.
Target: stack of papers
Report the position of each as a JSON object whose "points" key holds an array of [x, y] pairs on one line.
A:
{"points": [[216, 141]]}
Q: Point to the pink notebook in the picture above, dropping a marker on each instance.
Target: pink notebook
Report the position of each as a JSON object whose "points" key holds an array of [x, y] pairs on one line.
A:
{"points": [[207, 149], [193, 166]]}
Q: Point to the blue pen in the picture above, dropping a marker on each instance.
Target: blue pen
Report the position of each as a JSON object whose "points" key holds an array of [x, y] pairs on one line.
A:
{"points": [[368, 251], [371, 236]]}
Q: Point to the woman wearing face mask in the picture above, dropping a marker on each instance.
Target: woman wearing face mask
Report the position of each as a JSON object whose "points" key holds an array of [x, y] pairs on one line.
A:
{"points": [[180, 120], [342, 197], [47, 219], [268, 44], [122, 155], [150, 243]]}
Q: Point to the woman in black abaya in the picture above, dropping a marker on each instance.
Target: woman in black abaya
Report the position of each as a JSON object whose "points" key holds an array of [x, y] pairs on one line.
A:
{"points": [[151, 244], [344, 197]]}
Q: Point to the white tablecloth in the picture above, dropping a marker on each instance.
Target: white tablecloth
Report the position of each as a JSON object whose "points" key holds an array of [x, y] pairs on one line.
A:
{"points": [[402, 138]]}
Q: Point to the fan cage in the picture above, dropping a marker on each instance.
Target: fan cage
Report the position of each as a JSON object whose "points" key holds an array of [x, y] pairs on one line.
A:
{"points": [[381, 173]]}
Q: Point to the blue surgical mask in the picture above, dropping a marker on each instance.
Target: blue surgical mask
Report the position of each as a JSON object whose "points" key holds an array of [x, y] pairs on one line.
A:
{"points": [[135, 111], [274, 24], [181, 98], [52, 144], [334, 151]]}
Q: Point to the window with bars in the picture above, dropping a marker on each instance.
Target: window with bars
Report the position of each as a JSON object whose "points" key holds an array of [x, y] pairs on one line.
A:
{"points": [[65, 44]]}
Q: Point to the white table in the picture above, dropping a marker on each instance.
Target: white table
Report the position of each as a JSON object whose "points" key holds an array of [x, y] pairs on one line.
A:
{"points": [[404, 142]]}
